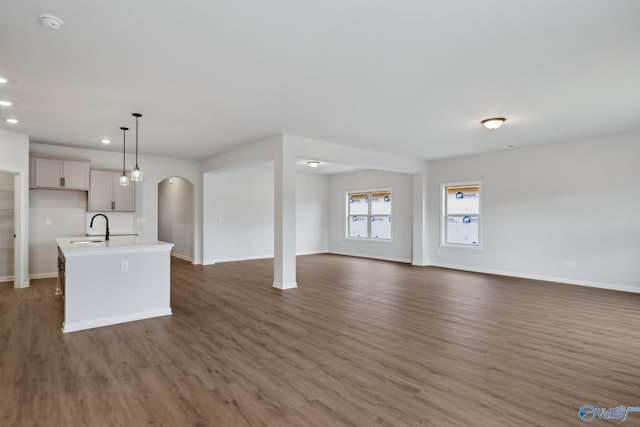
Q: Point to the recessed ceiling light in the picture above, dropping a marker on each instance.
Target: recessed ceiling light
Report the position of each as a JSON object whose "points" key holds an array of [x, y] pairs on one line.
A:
{"points": [[493, 123], [3, 80], [313, 163], [510, 146], [13, 121], [105, 141], [6, 103]]}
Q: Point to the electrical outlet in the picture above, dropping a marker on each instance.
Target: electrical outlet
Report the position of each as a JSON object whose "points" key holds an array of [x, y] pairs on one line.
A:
{"points": [[124, 265], [570, 263]]}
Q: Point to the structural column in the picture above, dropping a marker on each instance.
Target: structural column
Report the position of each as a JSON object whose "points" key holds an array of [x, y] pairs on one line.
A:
{"points": [[420, 223], [285, 216]]}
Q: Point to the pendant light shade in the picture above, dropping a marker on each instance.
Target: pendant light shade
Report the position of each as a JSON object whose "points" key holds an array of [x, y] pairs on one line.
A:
{"points": [[136, 173], [124, 179]]}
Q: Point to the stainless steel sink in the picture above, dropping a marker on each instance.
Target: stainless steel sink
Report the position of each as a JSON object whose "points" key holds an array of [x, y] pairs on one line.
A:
{"points": [[85, 241]]}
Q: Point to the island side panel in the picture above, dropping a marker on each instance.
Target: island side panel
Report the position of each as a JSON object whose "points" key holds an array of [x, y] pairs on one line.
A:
{"points": [[100, 293]]}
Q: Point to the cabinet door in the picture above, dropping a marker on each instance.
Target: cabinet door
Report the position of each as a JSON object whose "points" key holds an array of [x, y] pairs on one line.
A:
{"points": [[76, 175], [100, 192], [123, 197], [48, 173]]}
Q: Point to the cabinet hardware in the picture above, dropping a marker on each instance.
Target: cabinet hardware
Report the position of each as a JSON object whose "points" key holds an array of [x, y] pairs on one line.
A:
{"points": [[113, 205]]}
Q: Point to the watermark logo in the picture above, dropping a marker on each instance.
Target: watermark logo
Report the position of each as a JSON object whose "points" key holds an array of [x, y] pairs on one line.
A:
{"points": [[588, 413]]}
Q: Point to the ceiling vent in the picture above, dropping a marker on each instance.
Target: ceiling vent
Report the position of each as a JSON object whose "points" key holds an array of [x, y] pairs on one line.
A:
{"points": [[50, 21]]}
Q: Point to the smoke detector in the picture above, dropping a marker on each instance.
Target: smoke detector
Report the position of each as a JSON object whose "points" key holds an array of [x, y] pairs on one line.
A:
{"points": [[50, 21]]}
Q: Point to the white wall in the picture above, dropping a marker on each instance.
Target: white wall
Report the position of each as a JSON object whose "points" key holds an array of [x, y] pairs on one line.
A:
{"points": [[239, 214], [53, 213], [175, 215], [400, 246], [14, 158], [312, 213], [546, 204], [144, 221]]}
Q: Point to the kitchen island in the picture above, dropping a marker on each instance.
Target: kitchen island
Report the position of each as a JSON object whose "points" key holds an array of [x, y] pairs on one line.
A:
{"points": [[106, 282]]}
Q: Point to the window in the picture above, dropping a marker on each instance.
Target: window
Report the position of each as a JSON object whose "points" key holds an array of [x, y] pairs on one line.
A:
{"points": [[369, 215], [461, 214]]}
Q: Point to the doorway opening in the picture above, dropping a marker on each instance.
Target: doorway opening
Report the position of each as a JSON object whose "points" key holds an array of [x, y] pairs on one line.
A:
{"points": [[176, 216], [7, 227]]}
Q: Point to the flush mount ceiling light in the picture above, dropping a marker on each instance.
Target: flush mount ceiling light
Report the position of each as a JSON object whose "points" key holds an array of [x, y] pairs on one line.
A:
{"points": [[13, 121], [3, 80], [136, 173], [105, 141], [493, 123], [313, 163], [6, 103], [51, 22], [124, 179]]}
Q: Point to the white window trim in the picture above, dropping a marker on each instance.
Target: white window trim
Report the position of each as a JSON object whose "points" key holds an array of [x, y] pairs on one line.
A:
{"points": [[443, 215], [368, 239]]}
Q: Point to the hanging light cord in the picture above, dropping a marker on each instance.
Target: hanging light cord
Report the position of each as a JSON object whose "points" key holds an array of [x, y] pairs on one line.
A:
{"points": [[137, 116], [124, 146], [137, 142]]}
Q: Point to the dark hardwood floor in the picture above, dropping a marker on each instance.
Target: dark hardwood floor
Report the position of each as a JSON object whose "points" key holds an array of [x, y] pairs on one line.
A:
{"points": [[359, 343]]}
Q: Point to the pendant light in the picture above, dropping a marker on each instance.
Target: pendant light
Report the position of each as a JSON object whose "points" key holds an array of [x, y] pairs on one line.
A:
{"points": [[136, 173], [124, 179]]}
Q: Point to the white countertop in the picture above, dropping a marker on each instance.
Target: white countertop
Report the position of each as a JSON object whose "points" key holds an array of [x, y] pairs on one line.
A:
{"points": [[116, 244]]}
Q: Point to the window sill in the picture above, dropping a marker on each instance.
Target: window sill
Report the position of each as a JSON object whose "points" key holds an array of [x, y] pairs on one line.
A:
{"points": [[364, 239], [453, 245]]}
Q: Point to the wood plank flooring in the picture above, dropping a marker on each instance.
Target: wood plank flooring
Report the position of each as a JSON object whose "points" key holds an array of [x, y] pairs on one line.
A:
{"points": [[359, 343]]}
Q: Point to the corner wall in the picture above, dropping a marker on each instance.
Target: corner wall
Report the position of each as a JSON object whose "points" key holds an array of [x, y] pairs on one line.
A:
{"points": [[546, 206]]}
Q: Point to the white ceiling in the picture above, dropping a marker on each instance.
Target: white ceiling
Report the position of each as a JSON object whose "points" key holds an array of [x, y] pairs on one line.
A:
{"points": [[410, 77]]}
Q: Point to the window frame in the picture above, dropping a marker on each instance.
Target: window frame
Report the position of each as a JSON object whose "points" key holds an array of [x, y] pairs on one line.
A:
{"points": [[444, 216], [368, 215]]}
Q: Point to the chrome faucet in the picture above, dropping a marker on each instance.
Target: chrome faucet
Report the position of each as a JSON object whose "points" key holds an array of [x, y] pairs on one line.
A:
{"points": [[106, 237]]}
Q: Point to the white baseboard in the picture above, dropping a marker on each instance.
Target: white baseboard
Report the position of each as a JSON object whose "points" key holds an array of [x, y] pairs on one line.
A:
{"points": [[6, 278], [247, 258], [114, 320], [182, 257], [242, 258], [285, 286], [611, 286], [302, 253], [43, 275], [383, 258]]}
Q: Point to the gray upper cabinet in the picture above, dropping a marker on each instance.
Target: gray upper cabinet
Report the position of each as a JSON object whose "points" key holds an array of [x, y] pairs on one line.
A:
{"points": [[59, 174], [106, 194]]}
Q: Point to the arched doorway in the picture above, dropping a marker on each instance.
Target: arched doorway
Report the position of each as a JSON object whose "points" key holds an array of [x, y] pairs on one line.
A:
{"points": [[176, 215]]}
